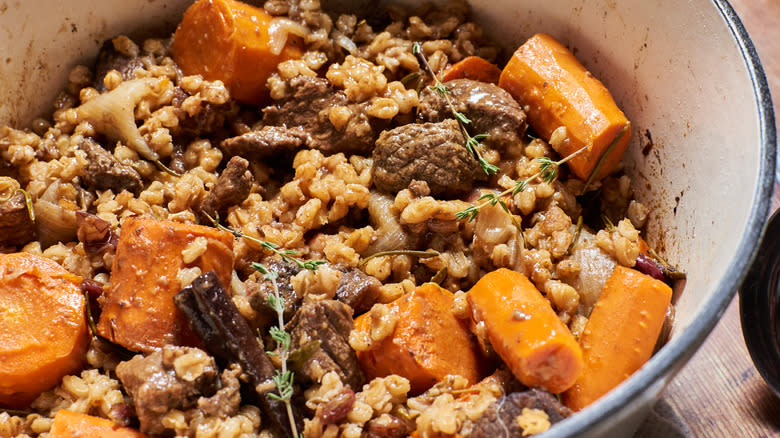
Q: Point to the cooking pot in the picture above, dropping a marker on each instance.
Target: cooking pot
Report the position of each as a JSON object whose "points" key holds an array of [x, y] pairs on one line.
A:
{"points": [[702, 156]]}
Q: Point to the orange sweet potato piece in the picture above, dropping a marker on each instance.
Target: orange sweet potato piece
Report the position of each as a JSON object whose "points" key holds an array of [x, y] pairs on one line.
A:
{"points": [[69, 424], [43, 328], [230, 41], [428, 342], [559, 91], [139, 312], [475, 68], [620, 334], [525, 331]]}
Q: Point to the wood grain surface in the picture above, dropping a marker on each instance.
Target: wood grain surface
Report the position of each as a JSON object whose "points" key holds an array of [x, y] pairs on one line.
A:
{"points": [[720, 393]]}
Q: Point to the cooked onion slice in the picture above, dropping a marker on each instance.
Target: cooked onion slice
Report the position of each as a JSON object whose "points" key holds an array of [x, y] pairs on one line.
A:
{"points": [[344, 42], [278, 31], [112, 114]]}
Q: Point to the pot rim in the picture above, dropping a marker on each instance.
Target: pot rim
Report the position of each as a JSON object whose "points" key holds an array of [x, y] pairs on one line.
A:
{"points": [[670, 359]]}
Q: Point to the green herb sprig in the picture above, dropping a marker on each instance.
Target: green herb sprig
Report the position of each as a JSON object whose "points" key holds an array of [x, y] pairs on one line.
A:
{"points": [[548, 172], [283, 379], [287, 255], [472, 142]]}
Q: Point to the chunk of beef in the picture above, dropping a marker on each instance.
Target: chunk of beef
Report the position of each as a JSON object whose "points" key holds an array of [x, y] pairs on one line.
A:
{"points": [[111, 59], [502, 414], [231, 188], [268, 142], [208, 120], [492, 111], [104, 172], [309, 108], [430, 152], [357, 289], [16, 227], [170, 378], [227, 400], [258, 292], [330, 322]]}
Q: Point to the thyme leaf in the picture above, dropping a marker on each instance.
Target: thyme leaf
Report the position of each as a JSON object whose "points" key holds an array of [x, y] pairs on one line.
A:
{"points": [[670, 271], [440, 276], [300, 355]]}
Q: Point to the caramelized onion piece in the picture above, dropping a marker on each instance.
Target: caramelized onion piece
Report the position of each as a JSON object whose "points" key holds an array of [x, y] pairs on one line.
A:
{"points": [[113, 113], [54, 222], [390, 235], [278, 31]]}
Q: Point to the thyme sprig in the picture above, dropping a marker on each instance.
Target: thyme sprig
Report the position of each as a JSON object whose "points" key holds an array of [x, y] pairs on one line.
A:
{"points": [[548, 172], [287, 255], [283, 379], [472, 142]]}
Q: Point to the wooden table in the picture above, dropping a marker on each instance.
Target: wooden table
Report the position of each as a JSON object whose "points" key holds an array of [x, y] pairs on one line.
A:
{"points": [[720, 393]]}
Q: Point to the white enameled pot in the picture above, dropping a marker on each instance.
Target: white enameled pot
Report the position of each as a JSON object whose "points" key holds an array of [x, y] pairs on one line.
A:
{"points": [[702, 154]]}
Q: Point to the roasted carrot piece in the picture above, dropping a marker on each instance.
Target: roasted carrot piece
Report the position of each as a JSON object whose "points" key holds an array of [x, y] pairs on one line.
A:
{"points": [[525, 331], [475, 68], [621, 333], [559, 91], [43, 328], [231, 41], [69, 424], [428, 342], [139, 312]]}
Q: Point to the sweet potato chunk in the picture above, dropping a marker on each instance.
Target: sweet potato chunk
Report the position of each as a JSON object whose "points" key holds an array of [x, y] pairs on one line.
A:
{"points": [[139, 313], [43, 329], [427, 344]]}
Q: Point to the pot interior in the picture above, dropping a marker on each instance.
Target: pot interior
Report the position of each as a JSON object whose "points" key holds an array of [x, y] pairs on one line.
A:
{"points": [[680, 71]]}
